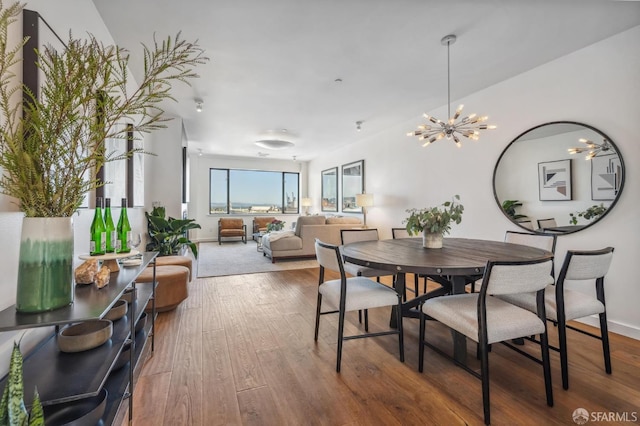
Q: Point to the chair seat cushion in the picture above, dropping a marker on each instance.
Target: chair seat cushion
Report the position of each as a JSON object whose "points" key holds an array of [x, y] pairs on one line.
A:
{"points": [[504, 320], [353, 269], [362, 293], [232, 232], [576, 304]]}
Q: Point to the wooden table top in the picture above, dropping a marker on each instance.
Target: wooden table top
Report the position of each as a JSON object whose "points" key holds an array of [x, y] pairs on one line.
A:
{"points": [[458, 256]]}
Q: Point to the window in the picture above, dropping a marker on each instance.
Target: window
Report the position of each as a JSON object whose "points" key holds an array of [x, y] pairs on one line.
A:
{"points": [[253, 192]]}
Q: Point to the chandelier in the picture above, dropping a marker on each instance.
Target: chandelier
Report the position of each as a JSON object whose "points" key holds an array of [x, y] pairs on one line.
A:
{"points": [[592, 148], [469, 126]]}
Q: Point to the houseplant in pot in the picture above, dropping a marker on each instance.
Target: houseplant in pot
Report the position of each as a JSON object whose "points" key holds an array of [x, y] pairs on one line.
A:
{"points": [[168, 236], [53, 145], [434, 222]]}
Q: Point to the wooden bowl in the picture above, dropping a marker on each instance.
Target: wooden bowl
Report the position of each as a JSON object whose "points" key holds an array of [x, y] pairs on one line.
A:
{"points": [[128, 294], [117, 311], [85, 335], [123, 358], [81, 412]]}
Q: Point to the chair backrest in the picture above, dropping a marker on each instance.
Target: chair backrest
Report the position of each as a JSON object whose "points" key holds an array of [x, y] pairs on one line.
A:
{"points": [[400, 233], [526, 224], [354, 235], [230, 223], [329, 257], [261, 222], [501, 277], [542, 241], [586, 265], [547, 223]]}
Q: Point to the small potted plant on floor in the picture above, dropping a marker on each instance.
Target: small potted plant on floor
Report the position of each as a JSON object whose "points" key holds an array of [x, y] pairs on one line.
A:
{"points": [[434, 222], [168, 236]]}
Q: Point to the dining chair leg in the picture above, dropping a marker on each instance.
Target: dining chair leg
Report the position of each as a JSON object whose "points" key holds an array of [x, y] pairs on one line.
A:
{"points": [[318, 305], [340, 339], [421, 342], [366, 320], [546, 366], [484, 373], [564, 364], [400, 329], [360, 316], [416, 284], [604, 332]]}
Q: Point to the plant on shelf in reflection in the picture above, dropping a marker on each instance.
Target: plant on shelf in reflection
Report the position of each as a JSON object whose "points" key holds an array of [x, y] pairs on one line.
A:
{"points": [[592, 212], [435, 220], [509, 207], [275, 225], [169, 236]]}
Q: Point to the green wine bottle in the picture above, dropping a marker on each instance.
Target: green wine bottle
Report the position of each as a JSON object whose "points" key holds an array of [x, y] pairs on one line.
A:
{"points": [[123, 230], [98, 244], [112, 235]]}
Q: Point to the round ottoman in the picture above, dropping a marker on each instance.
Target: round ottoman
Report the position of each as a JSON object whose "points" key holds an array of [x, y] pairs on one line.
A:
{"points": [[175, 260], [172, 285]]}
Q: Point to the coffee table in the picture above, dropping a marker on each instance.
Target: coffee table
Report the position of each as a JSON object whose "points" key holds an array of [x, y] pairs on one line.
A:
{"points": [[258, 237]]}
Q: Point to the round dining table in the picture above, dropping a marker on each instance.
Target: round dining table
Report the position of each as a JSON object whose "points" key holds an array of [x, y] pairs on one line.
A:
{"points": [[458, 262]]}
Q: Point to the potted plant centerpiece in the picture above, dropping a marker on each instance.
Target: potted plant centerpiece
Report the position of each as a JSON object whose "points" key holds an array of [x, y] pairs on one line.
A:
{"points": [[52, 145], [434, 222]]}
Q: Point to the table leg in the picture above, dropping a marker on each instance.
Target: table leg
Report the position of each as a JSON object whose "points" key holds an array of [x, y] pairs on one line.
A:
{"points": [[399, 285], [459, 339]]}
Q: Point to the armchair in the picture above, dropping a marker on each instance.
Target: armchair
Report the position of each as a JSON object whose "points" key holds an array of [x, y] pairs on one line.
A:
{"points": [[260, 223], [230, 228]]}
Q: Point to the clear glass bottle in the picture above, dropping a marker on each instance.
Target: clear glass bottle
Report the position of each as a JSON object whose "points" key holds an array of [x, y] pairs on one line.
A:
{"points": [[123, 230], [112, 235], [98, 243]]}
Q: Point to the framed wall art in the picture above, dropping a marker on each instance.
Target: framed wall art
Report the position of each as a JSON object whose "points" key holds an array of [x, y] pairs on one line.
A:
{"points": [[330, 190], [352, 184], [554, 180], [606, 172]]}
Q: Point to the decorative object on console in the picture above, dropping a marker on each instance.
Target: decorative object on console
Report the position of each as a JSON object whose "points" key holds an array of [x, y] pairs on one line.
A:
{"points": [[364, 200], [12, 405], [434, 222], [468, 126], [53, 143]]}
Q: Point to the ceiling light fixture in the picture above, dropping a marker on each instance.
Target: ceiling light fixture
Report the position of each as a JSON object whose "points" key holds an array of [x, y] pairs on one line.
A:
{"points": [[468, 127], [358, 125], [199, 103], [592, 148], [274, 144], [199, 153]]}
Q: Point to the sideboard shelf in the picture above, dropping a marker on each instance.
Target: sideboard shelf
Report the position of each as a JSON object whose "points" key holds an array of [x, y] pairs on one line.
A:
{"points": [[64, 377]]}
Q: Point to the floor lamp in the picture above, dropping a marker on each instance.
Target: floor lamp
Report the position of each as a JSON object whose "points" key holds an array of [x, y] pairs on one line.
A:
{"points": [[306, 203], [364, 200]]}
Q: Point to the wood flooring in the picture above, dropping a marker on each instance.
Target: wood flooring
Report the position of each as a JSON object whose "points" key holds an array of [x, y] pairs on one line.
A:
{"points": [[240, 351]]}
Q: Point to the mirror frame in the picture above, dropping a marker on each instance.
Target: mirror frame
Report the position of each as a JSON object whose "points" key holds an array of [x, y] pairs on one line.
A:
{"points": [[588, 225]]}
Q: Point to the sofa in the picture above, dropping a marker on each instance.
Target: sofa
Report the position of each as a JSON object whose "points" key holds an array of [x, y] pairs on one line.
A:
{"points": [[301, 242]]}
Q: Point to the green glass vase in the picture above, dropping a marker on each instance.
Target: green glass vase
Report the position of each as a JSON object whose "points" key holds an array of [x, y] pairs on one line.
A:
{"points": [[45, 269]]}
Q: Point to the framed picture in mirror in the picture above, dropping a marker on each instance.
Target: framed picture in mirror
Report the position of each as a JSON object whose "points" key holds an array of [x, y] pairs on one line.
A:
{"points": [[352, 184], [606, 172], [329, 190], [554, 180]]}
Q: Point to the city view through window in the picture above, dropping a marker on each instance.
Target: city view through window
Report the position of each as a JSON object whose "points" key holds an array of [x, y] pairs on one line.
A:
{"points": [[253, 192]]}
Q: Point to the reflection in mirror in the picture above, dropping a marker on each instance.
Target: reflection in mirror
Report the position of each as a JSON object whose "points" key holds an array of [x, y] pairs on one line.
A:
{"points": [[330, 190], [595, 183]]}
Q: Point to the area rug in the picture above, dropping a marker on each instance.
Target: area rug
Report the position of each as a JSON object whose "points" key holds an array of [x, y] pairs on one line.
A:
{"points": [[235, 258]]}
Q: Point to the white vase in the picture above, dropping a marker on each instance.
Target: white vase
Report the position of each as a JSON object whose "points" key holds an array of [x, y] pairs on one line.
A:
{"points": [[431, 240], [45, 268]]}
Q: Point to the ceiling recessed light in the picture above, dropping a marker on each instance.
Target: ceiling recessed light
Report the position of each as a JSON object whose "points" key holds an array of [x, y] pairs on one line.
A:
{"points": [[274, 144]]}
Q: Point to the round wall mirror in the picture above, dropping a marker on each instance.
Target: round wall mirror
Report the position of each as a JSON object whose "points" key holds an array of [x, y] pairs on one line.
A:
{"points": [[542, 187]]}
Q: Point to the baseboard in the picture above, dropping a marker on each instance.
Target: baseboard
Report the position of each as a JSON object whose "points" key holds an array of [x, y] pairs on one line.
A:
{"points": [[614, 327]]}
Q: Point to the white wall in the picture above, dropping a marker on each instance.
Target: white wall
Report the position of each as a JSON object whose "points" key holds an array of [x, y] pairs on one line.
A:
{"points": [[199, 202], [597, 85]]}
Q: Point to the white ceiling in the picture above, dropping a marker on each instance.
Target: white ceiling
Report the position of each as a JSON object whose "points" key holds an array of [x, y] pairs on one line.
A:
{"points": [[274, 62]]}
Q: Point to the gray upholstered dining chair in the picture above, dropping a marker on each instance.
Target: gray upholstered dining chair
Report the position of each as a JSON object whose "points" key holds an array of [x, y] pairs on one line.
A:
{"points": [[540, 240], [352, 294], [487, 319], [403, 233], [526, 224], [348, 236], [563, 304]]}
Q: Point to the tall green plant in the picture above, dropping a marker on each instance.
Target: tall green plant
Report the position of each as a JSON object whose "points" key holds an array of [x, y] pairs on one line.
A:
{"points": [[509, 207], [168, 236], [52, 153], [12, 409]]}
